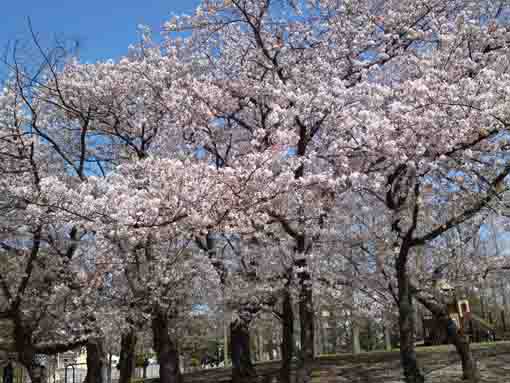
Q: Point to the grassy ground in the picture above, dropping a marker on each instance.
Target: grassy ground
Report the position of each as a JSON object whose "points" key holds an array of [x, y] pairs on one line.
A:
{"points": [[428, 349], [439, 363]]}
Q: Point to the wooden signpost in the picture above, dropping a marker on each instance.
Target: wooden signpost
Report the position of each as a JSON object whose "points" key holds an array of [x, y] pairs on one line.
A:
{"points": [[459, 312]]}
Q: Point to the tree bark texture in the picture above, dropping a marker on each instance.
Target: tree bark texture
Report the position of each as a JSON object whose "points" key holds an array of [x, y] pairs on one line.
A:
{"points": [[306, 318], [26, 352], [25, 348], [96, 362], [408, 358], [287, 345], [470, 370], [109, 369], [306, 315], [387, 338], [37, 374], [242, 366], [127, 356], [355, 330], [166, 349]]}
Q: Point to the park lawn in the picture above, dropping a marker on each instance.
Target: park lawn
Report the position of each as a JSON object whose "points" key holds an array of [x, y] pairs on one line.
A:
{"points": [[382, 354]]}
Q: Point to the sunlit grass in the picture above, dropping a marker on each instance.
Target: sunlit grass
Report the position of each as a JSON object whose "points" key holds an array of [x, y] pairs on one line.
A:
{"points": [[427, 349]]}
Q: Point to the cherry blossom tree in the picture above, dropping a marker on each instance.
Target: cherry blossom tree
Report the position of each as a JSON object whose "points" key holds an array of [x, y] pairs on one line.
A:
{"points": [[277, 124], [42, 261], [393, 95]]}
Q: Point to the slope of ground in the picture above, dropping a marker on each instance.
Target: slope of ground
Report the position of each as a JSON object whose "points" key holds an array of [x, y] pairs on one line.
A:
{"points": [[440, 364]]}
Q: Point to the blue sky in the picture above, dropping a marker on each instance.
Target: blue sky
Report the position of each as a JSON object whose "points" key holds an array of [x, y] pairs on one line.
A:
{"points": [[104, 28]]}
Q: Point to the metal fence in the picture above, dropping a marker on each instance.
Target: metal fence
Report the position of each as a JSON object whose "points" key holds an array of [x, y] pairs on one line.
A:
{"points": [[152, 371], [17, 376], [76, 373]]}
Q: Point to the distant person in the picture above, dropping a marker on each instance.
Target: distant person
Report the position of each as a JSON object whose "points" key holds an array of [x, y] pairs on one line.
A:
{"points": [[8, 373]]}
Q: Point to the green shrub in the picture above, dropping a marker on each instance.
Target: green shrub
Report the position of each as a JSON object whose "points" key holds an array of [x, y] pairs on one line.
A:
{"points": [[195, 362], [140, 358]]}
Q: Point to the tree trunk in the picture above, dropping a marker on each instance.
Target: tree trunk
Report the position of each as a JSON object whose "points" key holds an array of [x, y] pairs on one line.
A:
{"points": [[306, 316], [287, 345], [319, 336], [109, 368], [25, 350], [482, 304], [470, 369], [37, 374], [96, 362], [242, 367], [503, 294], [226, 348], [356, 346], [334, 334], [166, 349], [307, 338], [370, 336], [412, 372], [127, 356], [260, 346], [387, 337], [270, 345]]}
